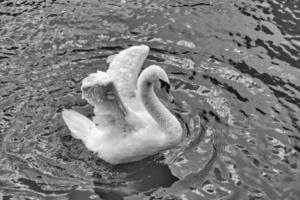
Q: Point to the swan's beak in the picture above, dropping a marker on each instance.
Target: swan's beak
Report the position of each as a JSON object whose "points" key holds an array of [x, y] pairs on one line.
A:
{"points": [[166, 94], [169, 97], [175, 106], [169, 100]]}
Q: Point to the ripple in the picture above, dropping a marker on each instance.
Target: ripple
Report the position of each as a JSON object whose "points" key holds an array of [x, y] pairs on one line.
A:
{"points": [[234, 69]]}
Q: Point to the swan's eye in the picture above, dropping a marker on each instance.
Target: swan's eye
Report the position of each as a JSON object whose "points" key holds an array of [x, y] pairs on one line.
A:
{"points": [[164, 85]]}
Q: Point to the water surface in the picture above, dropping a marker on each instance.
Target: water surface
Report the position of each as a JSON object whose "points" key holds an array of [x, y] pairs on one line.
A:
{"points": [[234, 67]]}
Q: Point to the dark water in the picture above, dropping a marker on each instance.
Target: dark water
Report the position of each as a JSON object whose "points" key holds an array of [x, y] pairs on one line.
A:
{"points": [[235, 68]]}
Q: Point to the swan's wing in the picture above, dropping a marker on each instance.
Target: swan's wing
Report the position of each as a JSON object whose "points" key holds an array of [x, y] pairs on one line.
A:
{"points": [[100, 91], [125, 67], [80, 126]]}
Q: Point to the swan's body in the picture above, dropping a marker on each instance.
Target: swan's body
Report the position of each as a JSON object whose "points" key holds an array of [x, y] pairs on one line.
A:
{"points": [[130, 122]]}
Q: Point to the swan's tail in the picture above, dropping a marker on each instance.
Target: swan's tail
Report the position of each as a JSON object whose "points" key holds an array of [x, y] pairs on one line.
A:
{"points": [[79, 125]]}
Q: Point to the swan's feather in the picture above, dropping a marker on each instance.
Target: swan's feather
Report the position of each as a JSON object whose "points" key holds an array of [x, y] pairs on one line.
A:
{"points": [[110, 58], [113, 91], [101, 92], [125, 67], [80, 126], [126, 127]]}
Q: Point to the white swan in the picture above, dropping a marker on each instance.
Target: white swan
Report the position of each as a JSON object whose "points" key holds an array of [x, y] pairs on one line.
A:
{"points": [[130, 122]]}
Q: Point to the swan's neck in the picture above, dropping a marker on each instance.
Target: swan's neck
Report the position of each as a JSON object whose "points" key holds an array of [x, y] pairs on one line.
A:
{"points": [[157, 110]]}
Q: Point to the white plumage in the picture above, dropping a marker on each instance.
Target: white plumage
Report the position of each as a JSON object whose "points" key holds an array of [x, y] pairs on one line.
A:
{"points": [[130, 122]]}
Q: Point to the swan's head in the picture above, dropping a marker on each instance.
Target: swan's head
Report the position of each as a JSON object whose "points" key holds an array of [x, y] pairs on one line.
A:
{"points": [[154, 76]]}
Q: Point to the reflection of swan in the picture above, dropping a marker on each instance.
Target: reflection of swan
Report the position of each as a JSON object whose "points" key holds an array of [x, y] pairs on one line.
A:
{"points": [[130, 122]]}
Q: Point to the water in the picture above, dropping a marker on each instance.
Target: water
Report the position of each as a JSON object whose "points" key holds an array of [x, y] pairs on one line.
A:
{"points": [[234, 66]]}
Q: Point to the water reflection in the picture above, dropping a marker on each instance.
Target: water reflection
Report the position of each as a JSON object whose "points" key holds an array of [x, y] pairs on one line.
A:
{"points": [[234, 69]]}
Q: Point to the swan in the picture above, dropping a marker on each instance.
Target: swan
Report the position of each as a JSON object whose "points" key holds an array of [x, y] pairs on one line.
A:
{"points": [[130, 122]]}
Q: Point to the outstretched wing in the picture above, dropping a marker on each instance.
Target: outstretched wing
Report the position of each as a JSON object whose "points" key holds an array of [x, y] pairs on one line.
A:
{"points": [[110, 92], [101, 92], [125, 67]]}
